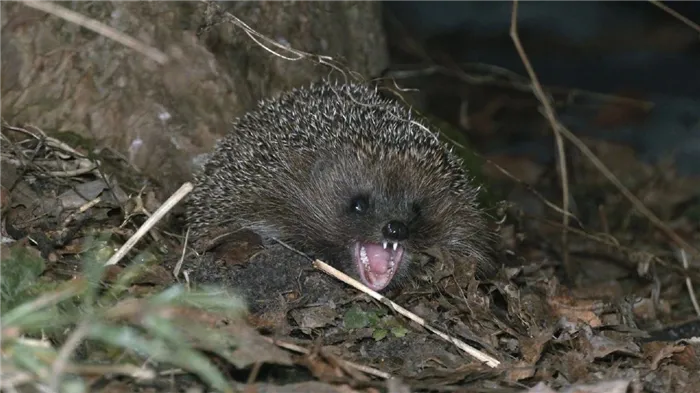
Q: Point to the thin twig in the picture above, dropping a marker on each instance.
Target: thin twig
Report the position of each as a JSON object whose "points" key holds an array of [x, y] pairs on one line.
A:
{"points": [[268, 44], [638, 204], [82, 209], [42, 137], [676, 15], [549, 113], [511, 83], [689, 284], [297, 348], [531, 189], [178, 266], [99, 28], [483, 357], [49, 167], [143, 230], [610, 241], [253, 376]]}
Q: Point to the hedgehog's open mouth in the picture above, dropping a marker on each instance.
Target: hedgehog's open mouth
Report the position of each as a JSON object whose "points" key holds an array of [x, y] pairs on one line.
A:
{"points": [[377, 263]]}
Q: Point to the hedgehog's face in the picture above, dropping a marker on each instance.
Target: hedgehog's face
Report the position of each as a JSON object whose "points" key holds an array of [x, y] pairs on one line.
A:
{"points": [[381, 230], [374, 215]]}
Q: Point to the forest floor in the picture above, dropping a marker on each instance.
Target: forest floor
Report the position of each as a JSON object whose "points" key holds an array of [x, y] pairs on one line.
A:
{"points": [[100, 291]]}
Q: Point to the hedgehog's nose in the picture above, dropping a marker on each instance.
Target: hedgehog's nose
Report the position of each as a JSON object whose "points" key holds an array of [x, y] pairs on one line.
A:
{"points": [[395, 230]]}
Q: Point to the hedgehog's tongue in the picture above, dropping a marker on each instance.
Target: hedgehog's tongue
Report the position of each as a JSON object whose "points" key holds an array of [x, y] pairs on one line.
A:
{"points": [[377, 265]]}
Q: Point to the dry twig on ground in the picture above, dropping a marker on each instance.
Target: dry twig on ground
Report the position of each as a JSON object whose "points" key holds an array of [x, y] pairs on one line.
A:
{"points": [[481, 356]]}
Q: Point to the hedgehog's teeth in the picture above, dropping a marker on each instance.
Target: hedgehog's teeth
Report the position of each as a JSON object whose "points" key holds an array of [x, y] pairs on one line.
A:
{"points": [[396, 245], [363, 257], [385, 244]]}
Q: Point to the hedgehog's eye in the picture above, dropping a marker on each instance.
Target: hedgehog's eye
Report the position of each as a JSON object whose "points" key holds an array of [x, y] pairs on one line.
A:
{"points": [[359, 204]]}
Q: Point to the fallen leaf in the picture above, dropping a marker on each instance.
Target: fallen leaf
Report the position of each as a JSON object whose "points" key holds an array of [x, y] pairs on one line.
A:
{"points": [[314, 317], [576, 309], [519, 371], [531, 348], [657, 351], [602, 346]]}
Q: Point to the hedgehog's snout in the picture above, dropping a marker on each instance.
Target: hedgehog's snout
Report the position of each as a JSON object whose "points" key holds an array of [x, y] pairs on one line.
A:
{"points": [[395, 231]]}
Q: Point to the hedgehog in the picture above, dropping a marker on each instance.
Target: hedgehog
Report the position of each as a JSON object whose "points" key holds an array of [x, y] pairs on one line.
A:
{"points": [[343, 174]]}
